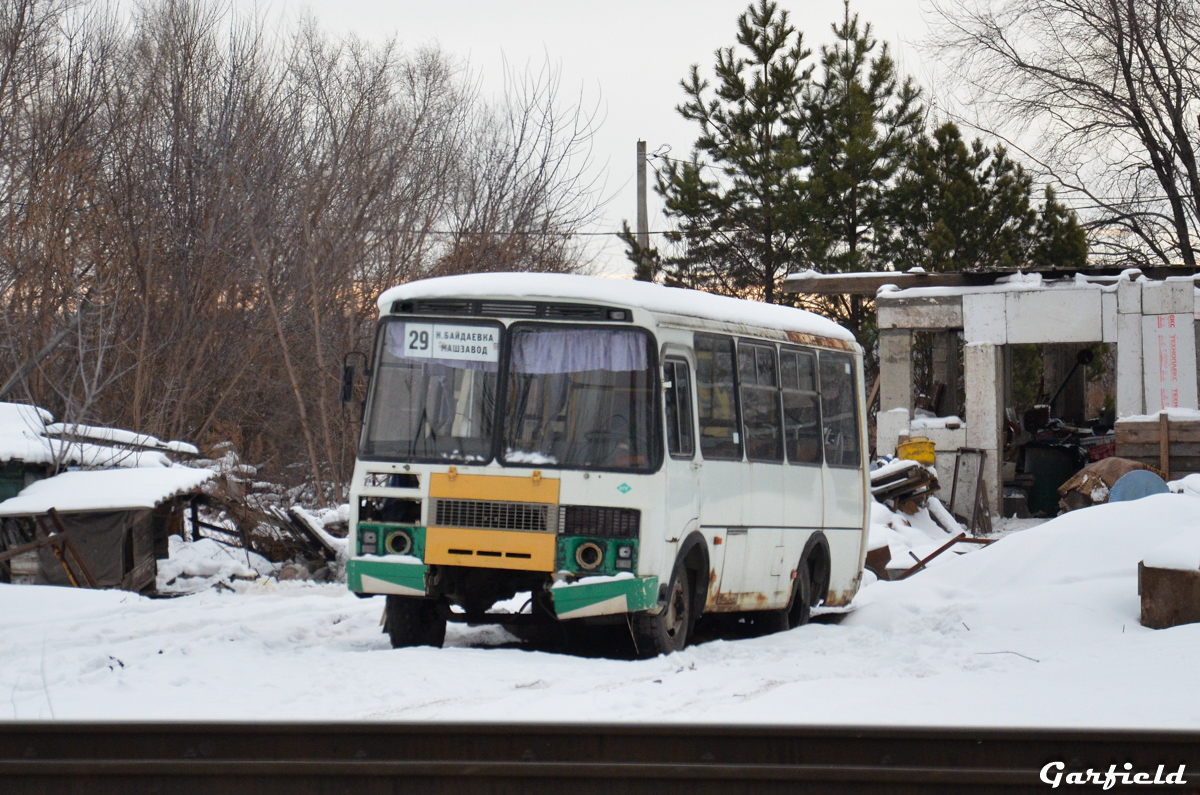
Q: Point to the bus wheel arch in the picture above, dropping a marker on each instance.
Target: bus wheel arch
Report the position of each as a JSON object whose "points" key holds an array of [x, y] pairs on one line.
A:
{"points": [[693, 556], [819, 560], [811, 582]]}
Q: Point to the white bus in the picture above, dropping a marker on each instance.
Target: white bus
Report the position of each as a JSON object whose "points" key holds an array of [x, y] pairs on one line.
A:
{"points": [[620, 450]]}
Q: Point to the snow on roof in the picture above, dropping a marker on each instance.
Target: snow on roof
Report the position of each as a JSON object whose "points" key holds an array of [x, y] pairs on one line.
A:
{"points": [[23, 437], [618, 292], [1017, 282], [1173, 414], [104, 490], [118, 436]]}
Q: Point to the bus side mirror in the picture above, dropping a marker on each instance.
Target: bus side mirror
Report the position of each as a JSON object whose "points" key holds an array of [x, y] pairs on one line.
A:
{"points": [[347, 393], [347, 383]]}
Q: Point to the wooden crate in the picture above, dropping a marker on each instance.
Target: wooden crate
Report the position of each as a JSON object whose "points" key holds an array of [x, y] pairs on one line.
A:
{"points": [[1170, 597], [1172, 446]]}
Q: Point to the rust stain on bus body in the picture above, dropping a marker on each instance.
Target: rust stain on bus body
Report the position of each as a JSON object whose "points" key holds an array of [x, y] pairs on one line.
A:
{"points": [[825, 342], [839, 598]]}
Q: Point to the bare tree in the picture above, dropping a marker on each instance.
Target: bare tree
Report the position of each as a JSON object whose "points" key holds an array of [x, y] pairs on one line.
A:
{"points": [[1103, 94], [231, 204]]}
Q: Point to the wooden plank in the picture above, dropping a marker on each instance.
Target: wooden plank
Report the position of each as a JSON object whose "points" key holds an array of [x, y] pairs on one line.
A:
{"points": [[1180, 465], [1191, 449], [1140, 434], [1164, 445]]}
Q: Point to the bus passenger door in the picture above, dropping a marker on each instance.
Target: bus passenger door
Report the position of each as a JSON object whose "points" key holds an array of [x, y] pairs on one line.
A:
{"points": [[841, 436], [682, 468]]}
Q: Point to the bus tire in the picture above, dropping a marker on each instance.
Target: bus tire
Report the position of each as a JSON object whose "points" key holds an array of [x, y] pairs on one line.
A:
{"points": [[412, 621], [669, 630], [800, 609]]}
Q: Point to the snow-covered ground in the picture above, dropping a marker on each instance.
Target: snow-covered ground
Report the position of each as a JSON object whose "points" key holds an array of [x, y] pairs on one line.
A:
{"points": [[1040, 628]]}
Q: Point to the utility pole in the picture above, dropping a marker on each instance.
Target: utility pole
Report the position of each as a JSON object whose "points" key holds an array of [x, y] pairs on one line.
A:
{"points": [[644, 272]]}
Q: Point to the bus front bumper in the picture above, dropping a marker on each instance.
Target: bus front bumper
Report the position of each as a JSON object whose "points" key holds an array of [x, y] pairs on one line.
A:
{"points": [[609, 596], [592, 596], [373, 574]]}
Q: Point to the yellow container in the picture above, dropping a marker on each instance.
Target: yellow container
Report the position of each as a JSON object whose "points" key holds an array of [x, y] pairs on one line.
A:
{"points": [[918, 449]]}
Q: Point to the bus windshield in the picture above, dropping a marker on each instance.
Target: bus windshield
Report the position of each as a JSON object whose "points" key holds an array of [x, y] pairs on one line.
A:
{"points": [[434, 395], [581, 398]]}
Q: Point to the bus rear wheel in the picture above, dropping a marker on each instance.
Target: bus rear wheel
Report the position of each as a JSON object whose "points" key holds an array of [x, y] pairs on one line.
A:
{"points": [[669, 630], [412, 621], [798, 612]]}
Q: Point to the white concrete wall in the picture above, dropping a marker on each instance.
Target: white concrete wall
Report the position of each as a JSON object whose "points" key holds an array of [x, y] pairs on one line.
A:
{"points": [[983, 363], [1054, 316]]}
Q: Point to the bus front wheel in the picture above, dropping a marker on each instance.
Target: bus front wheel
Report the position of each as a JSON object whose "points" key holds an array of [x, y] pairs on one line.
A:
{"points": [[412, 621], [668, 631]]}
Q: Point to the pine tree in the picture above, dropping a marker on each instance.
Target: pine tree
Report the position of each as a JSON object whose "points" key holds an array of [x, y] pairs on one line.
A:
{"points": [[1061, 241], [860, 123], [735, 203], [968, 207]]}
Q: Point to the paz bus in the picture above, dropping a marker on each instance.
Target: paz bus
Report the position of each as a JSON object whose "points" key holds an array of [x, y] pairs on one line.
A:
{"points": [[621, 451]]}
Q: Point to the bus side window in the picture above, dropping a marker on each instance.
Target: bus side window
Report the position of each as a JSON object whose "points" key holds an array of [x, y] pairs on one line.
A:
{"points": [[717, 395], [801, 412], [760, 402], [677, 392], [839, 410]]}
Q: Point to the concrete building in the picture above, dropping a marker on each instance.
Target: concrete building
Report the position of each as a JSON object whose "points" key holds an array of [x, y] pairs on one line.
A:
{"points": [[1151, 322]]}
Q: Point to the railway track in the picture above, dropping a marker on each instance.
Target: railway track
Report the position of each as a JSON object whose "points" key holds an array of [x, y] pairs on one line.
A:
{"points": [[302, 758]]}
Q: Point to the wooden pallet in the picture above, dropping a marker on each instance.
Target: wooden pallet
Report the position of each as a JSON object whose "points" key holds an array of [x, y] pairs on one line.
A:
{"points": [[1172, 446]]}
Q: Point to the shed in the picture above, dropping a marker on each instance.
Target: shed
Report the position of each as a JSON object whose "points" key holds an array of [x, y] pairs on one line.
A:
{"points": [[1149, 317], [118, 520]]}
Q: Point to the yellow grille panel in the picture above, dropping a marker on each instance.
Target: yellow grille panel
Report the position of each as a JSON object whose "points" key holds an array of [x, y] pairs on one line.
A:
{"points": [[490, 549]]}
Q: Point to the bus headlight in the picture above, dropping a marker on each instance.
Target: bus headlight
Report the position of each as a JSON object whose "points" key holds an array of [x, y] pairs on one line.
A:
{"points": [[369, 542], [589, 556], [399, 543]]}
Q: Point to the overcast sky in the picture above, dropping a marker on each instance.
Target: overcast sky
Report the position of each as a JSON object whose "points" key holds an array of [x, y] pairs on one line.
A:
{"points": [[627, 55]]}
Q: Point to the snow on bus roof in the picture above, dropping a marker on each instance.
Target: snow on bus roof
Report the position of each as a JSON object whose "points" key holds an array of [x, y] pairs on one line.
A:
{"points": [[619, 292], [104, 490]]}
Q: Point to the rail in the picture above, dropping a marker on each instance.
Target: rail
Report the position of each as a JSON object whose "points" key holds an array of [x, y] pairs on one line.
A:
{"points": [[301, 758]]}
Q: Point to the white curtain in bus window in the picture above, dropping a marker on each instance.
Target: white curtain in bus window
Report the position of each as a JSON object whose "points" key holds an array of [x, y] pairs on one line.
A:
{"points": [[760, 402], [717, 398], [839, 410], [435, 388], [677, 401], [801, 417], [581, 398]]}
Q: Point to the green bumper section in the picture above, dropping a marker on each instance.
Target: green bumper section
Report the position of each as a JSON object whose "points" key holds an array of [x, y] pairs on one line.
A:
{"points": [[583, 599], [368, 574]]}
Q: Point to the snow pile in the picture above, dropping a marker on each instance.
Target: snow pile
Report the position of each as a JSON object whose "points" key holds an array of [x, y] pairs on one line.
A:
{"points": [[1175, 414], [1189, 485], [1181, 552], [198, 565], [1038, 629], [925, 423], [321, 521], [908, 538]]}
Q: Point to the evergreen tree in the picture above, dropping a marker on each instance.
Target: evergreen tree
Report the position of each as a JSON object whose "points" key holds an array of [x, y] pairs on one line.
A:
{"points": [[961, 207], [735, 203], [1061, 241], [966, 207], [646, 261], [860, 123], [858, 126]]}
